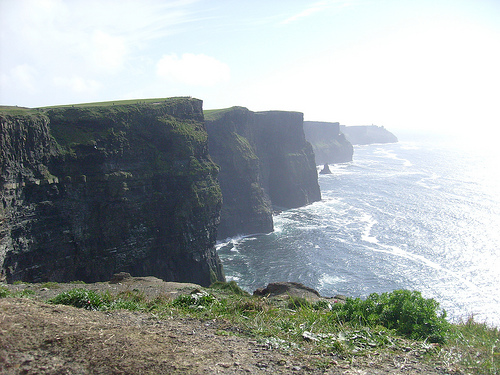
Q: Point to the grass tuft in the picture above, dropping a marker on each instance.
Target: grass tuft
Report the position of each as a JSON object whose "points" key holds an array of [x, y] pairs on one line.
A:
{"points": [[4, 292], [230, 286], [83, 298]]}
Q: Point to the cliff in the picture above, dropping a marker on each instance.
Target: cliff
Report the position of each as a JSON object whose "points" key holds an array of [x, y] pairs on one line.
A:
{"points": [[264, 161], [367, 134], [88, 191], [329, 144]]}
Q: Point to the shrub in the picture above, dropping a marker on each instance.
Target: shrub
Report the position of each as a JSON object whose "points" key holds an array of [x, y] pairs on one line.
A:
{"points": [[83, 298], [4, 292], [407, 312], [198, 300]]}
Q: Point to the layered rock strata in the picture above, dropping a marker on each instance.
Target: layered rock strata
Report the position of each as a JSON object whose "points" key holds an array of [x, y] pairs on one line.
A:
{"points": [[265, 163], [90, 191]]}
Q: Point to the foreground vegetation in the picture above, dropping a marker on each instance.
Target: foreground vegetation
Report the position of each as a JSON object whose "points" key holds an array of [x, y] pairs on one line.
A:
{"points": [[390, 322]]}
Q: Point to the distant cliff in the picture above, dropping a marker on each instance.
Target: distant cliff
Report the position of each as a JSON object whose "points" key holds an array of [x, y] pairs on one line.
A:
{"points": [[93, 190], [264, 161], [364, 135], [329, 144]]}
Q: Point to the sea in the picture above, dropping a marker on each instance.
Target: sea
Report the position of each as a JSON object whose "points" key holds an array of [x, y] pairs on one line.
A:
{"points": [[420, 214]]}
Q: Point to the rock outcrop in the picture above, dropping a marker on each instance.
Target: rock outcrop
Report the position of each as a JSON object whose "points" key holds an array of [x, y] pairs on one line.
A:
{"points": [[264, 161], [288, 289], [326, 169], [89, 191], [329, 144], [368, 134]]}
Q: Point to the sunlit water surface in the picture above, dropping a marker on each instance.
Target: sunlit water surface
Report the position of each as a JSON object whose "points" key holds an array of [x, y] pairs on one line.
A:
{"points": [[410, 215]]}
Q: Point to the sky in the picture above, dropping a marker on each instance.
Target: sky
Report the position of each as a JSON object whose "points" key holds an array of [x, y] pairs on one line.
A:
{"points": [[432, 65]]}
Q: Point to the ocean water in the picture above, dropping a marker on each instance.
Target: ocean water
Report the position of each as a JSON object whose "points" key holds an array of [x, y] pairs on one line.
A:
{"points": [[411, 215]]}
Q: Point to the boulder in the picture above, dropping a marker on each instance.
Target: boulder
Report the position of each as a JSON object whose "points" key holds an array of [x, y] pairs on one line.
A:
{"points": [[288, 289]]}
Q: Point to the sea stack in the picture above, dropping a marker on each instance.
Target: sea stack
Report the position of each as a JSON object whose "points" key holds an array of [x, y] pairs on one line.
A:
{"points": [[326, 170]]}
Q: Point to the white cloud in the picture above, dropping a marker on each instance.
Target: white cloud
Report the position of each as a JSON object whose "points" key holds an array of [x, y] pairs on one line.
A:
{"points": [[62, 47], [109, 51], [78, 84], [191, 69]]}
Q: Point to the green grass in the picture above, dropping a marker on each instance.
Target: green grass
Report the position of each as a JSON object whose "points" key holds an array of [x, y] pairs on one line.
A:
{"points": [[120, 102], [15, 110], [478, 346], [216, 114], [84, 298], [387, 323], [4, 293]]}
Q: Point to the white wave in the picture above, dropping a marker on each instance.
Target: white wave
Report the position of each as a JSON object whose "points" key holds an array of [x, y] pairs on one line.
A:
{"points": [[233, 242], [280, 222], [228, 241], [407, 163], [429, 182], [390, 154], [370, 221], [327, 280]]}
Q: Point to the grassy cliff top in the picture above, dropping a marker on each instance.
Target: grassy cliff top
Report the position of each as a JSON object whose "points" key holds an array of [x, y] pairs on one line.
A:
{"points": [[172, 100], [216, 114], [15, 110]]}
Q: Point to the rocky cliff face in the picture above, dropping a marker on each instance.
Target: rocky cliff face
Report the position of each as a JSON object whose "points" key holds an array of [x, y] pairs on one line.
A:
{"points": [[91, 191], [329, 144], [367, 134], [246, 207], [265, 161]]}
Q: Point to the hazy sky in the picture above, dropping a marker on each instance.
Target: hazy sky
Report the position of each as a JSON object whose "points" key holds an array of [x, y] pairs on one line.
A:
{"points": [[432, 64]]}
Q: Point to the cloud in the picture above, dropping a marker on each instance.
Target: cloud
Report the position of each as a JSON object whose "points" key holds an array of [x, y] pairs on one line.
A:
{"points": [[63, 47], [109, 51], [78, 84], [193, 70]]}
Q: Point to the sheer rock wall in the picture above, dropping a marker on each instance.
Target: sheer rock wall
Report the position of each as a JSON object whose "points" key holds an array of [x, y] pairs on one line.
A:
{"points": [[89, 191]]}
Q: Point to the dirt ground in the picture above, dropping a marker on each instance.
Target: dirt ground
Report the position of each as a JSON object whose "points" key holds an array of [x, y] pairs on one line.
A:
{"points": [[40, 338]]}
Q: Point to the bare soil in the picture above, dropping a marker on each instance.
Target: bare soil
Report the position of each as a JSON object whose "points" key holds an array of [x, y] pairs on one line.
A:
{"points": [[41, 338]]}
